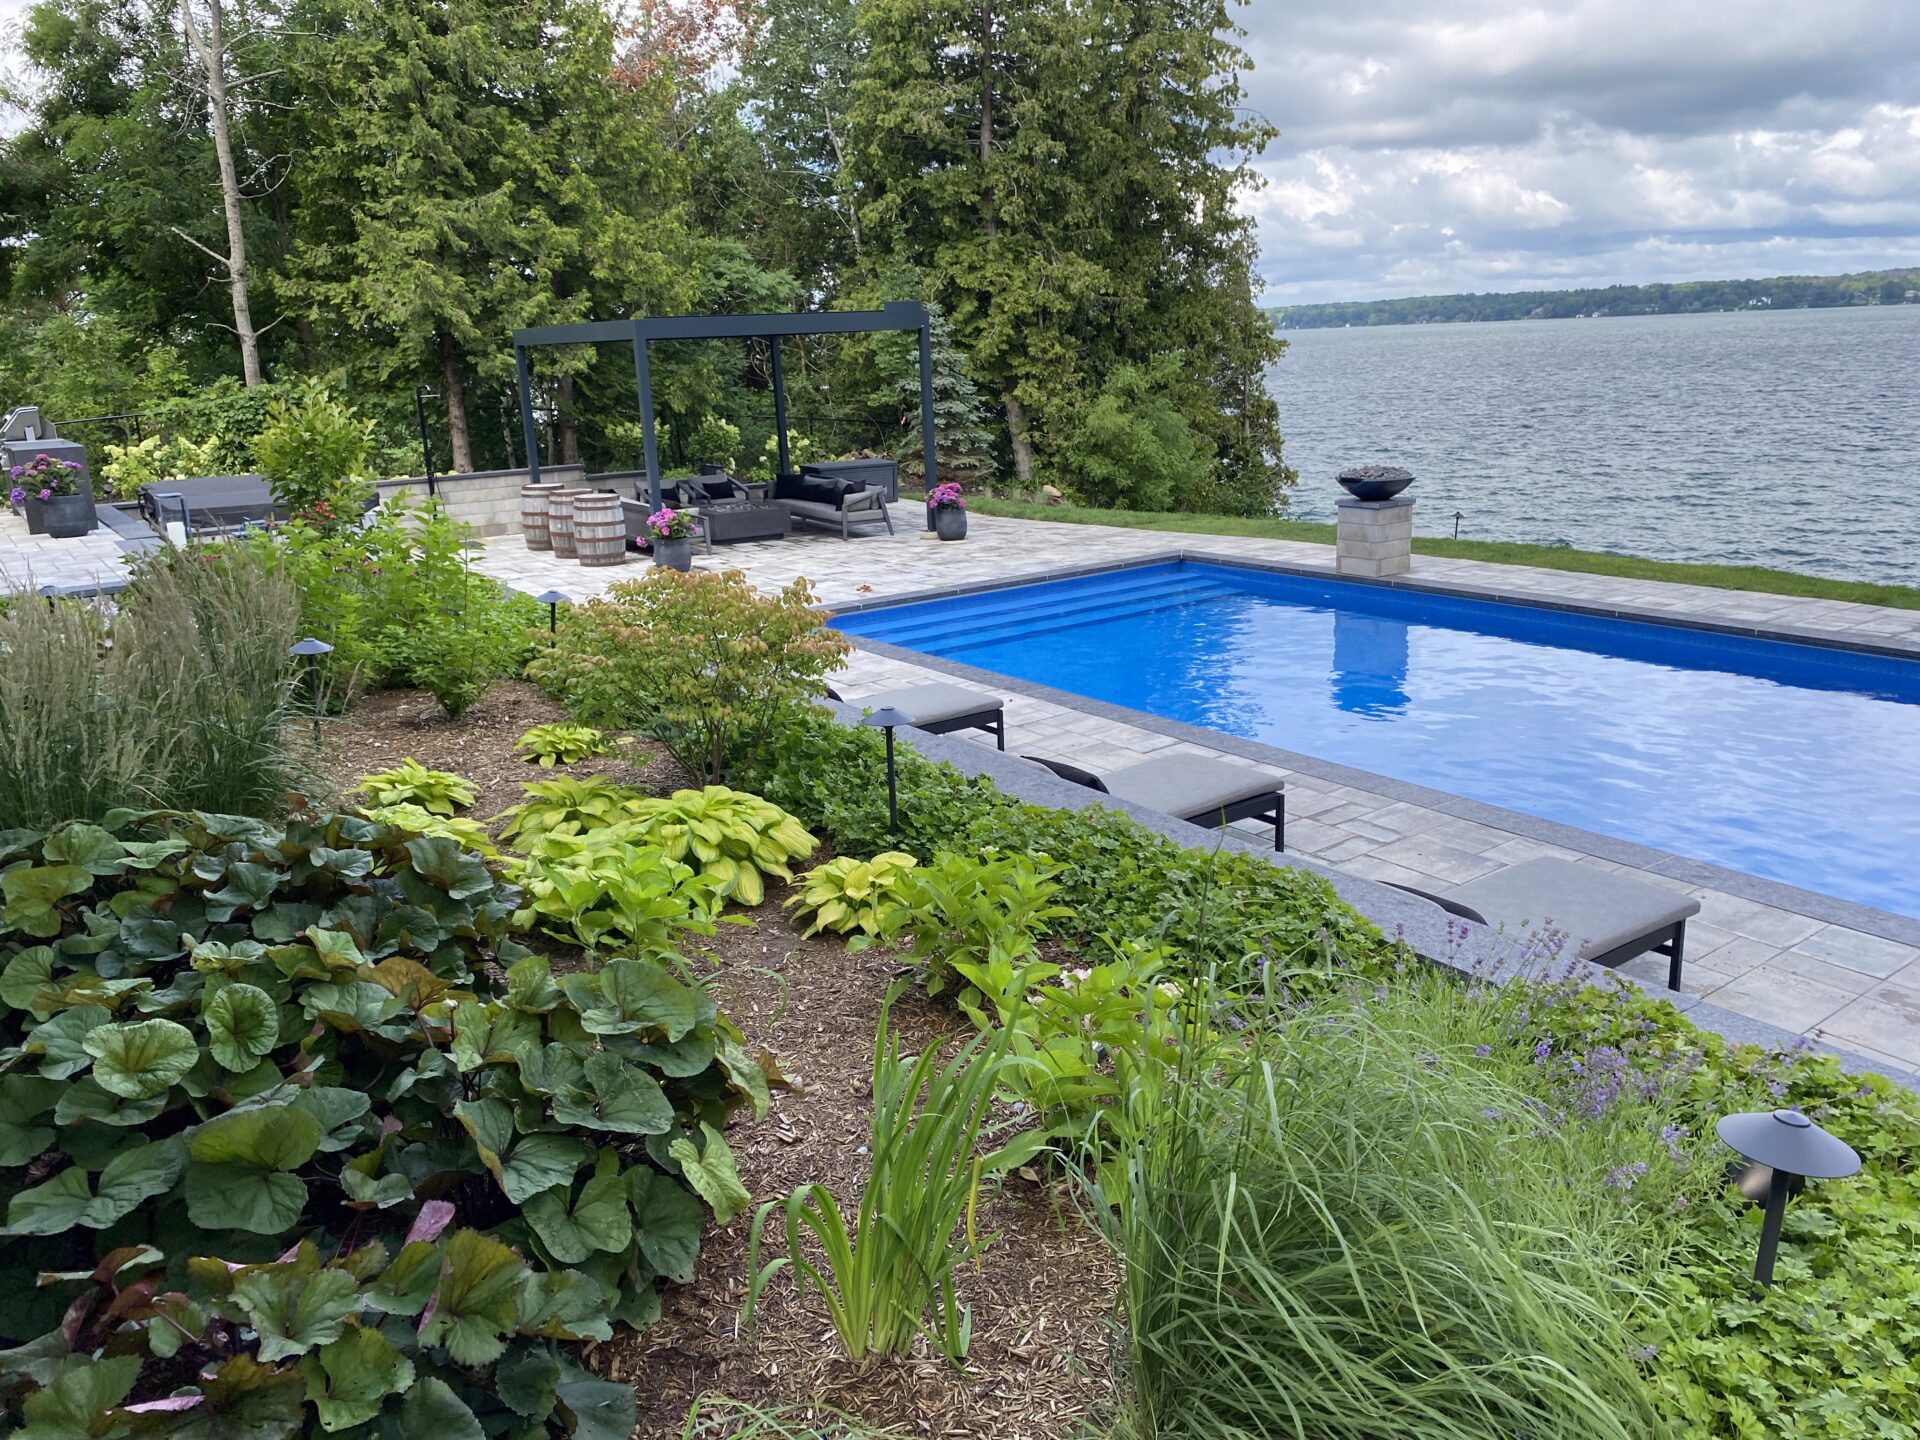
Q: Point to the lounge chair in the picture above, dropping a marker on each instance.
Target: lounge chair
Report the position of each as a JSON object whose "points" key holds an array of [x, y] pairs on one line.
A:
{"points": [[1610, 918], [940, 709], [1194, 788]]}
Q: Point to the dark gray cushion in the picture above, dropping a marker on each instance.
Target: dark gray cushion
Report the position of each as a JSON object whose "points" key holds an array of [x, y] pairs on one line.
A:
{"points": [[1598, 909], [930, 704], [1182, 784]]}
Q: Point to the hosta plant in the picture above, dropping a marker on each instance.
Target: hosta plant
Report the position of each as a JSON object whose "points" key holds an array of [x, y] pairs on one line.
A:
{"points": [[848, 894], [562, 744], [963, 911], [438, 792], [566, 806], [293, 1132], [468, 834], [732, 838], [612, 896]]}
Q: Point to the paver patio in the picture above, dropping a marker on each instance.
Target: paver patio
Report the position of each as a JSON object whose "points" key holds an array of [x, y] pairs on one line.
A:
{"points": [[1847, 985], [28, 562]]}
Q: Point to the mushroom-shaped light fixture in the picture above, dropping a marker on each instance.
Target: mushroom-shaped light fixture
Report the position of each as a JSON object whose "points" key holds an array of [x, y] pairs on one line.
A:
{"points": [[888, 719], [1789, 1147]]}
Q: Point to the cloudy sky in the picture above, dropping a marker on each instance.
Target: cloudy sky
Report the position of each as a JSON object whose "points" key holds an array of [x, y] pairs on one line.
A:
{"points": [[1432, 146]]}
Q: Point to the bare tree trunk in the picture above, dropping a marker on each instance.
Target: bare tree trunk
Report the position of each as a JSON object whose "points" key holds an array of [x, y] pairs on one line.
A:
{"points": [[209, 46], [455, 389], [986, 120], [1021, 439], [569, 423]]}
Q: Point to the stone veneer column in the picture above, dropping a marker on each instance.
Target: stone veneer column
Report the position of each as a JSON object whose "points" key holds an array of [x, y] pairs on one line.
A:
{"points": [[1375, 537]]}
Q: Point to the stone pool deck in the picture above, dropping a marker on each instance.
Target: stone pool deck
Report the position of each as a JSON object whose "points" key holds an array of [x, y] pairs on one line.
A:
{"points": [[1807, 963], [31, 562]]}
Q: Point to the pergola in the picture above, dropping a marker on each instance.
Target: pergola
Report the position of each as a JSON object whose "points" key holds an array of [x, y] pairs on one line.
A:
{"points": [[895, 315]]}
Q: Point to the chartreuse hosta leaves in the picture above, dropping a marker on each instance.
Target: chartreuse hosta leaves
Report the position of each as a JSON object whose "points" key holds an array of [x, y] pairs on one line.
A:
{"points": [[563, 744], [438, 792], [731, 839], [847, 894], [239, 1042]]}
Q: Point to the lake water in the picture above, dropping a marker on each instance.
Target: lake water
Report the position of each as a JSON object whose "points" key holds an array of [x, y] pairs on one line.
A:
{"points": [[1789, 439]]}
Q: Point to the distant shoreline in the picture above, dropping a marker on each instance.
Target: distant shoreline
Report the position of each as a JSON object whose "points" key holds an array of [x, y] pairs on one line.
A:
{"points": [[1780, 292]]}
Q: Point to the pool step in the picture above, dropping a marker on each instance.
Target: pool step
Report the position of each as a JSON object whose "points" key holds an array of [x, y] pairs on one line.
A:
{"points": [[1025, 602], [1036, 617]]}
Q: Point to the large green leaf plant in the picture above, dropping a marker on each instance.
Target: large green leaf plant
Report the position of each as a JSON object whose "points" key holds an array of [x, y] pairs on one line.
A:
{"points": [[297, 1137]]}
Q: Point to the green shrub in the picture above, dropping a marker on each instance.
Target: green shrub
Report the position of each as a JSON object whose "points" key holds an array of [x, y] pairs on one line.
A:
{"points": [[848, 894], [964, 912], [562, 744], [1356, 1221], [1212, 908], [714, 439], [1132, 449], [255, 1076], [700, 661], [183, 698], [438, 792], [313, 452], [127, 467], [401, 606], [888, 1278]]}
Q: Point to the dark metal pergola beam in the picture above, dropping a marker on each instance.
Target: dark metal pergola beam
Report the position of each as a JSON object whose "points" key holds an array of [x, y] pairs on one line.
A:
{"points": [[895, 315]]}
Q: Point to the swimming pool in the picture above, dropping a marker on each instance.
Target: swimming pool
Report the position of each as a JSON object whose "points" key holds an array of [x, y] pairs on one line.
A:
{"points": [[1791, 762]]}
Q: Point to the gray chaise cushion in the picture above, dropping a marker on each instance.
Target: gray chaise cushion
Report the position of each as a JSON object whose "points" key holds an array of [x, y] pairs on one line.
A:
{"points": [[1598, 910], [930, 704], [1186, 785]]}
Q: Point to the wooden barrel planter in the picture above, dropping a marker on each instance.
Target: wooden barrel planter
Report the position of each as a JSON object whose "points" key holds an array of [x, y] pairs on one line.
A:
{"points": [[560, 522], [533, 515], [599, 528]]}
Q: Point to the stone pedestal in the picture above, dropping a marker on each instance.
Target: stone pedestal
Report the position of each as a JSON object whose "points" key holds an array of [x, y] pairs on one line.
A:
{"points": [[1375, 537]]}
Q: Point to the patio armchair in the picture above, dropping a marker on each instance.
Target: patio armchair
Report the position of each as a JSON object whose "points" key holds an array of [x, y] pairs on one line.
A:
{"points": [[1195, 788]]}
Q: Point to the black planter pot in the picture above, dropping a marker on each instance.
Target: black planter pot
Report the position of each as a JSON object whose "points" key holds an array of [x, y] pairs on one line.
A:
{"points": [[67, 517], [950, 523], [1375, 482], [674, 554]]}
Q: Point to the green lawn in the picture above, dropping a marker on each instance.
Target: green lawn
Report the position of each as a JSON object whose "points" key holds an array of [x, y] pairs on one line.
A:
{"points": [[1499, 552]]}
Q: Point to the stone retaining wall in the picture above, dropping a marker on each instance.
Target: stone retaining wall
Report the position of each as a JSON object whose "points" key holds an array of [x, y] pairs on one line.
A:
{"points": [[488, 500]]}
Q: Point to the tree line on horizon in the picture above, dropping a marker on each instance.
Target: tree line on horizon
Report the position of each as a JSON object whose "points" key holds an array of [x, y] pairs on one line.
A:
{"points": [[1781, 292], [214, 201]]}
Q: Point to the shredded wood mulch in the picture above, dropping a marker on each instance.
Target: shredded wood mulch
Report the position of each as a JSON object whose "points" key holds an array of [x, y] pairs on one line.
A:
{"points": [[1043, 1294]]}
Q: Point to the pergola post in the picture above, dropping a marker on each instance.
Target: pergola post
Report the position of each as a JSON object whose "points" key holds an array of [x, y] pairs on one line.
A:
{"points": [[779, 403], [649, 442], [524, 364], [928, 452]]}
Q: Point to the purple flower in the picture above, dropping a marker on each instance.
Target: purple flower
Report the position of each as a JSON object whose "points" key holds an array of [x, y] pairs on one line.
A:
{"points": [[19, 496], [946, 497], [1622, 1177], [1483, 1051]]}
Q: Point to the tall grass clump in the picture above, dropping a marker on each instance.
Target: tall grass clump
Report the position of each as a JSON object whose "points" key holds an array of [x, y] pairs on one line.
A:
{"points": [[1367, 1222], [179, 697], [889, 1276]]}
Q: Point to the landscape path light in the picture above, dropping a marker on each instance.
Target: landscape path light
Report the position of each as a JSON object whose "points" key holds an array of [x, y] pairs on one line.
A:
{"points": [[888, 719], [312, 649], [1792, 1148], [553, 600]]}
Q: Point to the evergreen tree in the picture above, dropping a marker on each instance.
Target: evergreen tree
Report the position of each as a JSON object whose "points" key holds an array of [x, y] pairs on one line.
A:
{"points": [[473, 172], [962, 445]]}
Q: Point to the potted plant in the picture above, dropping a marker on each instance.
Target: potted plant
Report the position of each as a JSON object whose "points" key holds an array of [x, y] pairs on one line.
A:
{"points": [[1375, 482], [672, 532], [949, 508], [55, 496]]}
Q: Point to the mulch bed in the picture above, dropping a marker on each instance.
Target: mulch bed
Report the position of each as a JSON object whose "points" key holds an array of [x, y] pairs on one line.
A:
{"points": [[1042, 1297]]}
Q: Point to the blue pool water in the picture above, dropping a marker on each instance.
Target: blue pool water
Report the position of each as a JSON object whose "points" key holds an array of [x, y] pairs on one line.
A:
{"points": [[1787, 761]]}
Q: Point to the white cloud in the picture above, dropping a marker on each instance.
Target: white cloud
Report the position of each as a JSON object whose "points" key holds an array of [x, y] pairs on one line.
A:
{"points": [[1473, 144]]}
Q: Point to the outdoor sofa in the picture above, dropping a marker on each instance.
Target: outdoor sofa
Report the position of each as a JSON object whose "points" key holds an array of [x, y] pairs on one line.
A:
{"points": [[837, 503], [1608, 918]]}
